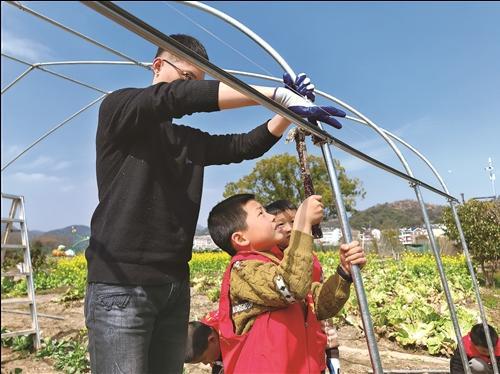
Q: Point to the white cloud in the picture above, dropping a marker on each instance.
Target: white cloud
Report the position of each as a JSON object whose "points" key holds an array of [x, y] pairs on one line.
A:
{"points": [[61, 165], [48, 162], [420, 124], [39, 161], [35, 177], [67, 188], [10, 151], [377, 147], [24, 48]]}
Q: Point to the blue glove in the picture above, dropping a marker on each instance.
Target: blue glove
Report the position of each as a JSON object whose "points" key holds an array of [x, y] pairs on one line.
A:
{"points": [[320, 113], [304, 108], [302, 85]]}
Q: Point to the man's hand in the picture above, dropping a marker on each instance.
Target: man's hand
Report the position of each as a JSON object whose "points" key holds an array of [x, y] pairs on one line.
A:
{"points": [[302, 85], [305, 108], [309, 213], [351, 254], [319, 113]]}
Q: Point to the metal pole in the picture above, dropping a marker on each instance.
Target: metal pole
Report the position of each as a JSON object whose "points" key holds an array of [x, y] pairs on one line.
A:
{"points": [[491, 350], [355, 271], [491, 170], [30, 279], [444, 282], [24, 8], [26, 72], [52, 130], [36, 66], [13, 311], [87, 62], [465, 249]]}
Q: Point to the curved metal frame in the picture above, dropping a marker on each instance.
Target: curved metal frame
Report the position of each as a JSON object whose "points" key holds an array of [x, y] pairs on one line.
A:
{"points": [[39, 67], [290, 115], [326, 151], [341, 210]]}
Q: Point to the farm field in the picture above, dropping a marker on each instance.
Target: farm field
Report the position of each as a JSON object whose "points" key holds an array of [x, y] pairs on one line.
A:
{"points": [[406, 302]]}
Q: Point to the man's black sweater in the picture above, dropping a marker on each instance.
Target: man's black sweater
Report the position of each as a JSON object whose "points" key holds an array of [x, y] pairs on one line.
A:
{"points": [[150, 177]]}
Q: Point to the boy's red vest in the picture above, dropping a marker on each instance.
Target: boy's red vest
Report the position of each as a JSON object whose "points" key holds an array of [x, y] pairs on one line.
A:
{"points": [[280, 341], [212, 319], [471, 350]]}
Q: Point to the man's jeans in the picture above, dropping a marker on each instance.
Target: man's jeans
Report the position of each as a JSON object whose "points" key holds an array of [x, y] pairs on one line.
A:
{"points": [[137, 329]]}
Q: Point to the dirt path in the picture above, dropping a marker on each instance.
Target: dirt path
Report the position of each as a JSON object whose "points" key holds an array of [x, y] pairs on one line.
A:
{"points": [[353, 352]]}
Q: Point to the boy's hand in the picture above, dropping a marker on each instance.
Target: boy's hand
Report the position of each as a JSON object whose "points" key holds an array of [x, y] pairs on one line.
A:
{"points": [[313, 208], [351, 254], [331, 333], [310, 213]]}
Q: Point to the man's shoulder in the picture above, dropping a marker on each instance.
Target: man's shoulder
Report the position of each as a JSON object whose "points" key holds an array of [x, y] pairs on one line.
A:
{"points": [[124, 91], [119, 95]]}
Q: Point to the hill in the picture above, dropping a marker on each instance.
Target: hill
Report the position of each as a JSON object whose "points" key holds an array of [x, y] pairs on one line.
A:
{"points": [[51, 239], [64, 236], [200, 230], [404, 213], [66, 232]]}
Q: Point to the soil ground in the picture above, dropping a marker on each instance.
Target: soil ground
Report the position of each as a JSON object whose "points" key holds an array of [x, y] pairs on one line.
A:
{"points": [[354, 356]]}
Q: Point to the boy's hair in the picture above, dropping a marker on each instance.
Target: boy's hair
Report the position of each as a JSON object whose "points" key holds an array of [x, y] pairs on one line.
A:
{"points": [[478, 336], [189, 42], [197, 340], [226, 218], [280, 206]]}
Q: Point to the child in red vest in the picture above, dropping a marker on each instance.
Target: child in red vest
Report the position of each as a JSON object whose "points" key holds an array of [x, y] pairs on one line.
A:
{"points": [[285, 213], [476, 349], [203, 339], [202, 343], [269, 307]]}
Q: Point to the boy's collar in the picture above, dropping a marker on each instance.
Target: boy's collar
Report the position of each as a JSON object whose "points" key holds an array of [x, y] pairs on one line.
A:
{"points": [[277, 252]]}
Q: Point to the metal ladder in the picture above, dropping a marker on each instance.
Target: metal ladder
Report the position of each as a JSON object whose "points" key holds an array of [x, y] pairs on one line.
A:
{"points": [[16, 222]]}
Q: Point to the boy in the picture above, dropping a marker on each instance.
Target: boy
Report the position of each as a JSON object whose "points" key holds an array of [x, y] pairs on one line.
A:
{"points": [[476, 349], [203, 338], [203, 343], [269, 308], [285, 212]]}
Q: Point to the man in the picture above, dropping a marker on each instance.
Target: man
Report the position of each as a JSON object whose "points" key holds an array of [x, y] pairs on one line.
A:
{"points": [[150, 176]]}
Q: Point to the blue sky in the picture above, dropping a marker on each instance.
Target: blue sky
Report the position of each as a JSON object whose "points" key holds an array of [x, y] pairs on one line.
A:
{"points": [[428, 72]]}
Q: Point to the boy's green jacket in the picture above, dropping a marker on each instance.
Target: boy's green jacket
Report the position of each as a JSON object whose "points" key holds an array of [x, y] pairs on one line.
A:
{"points": [[258, 287]]}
